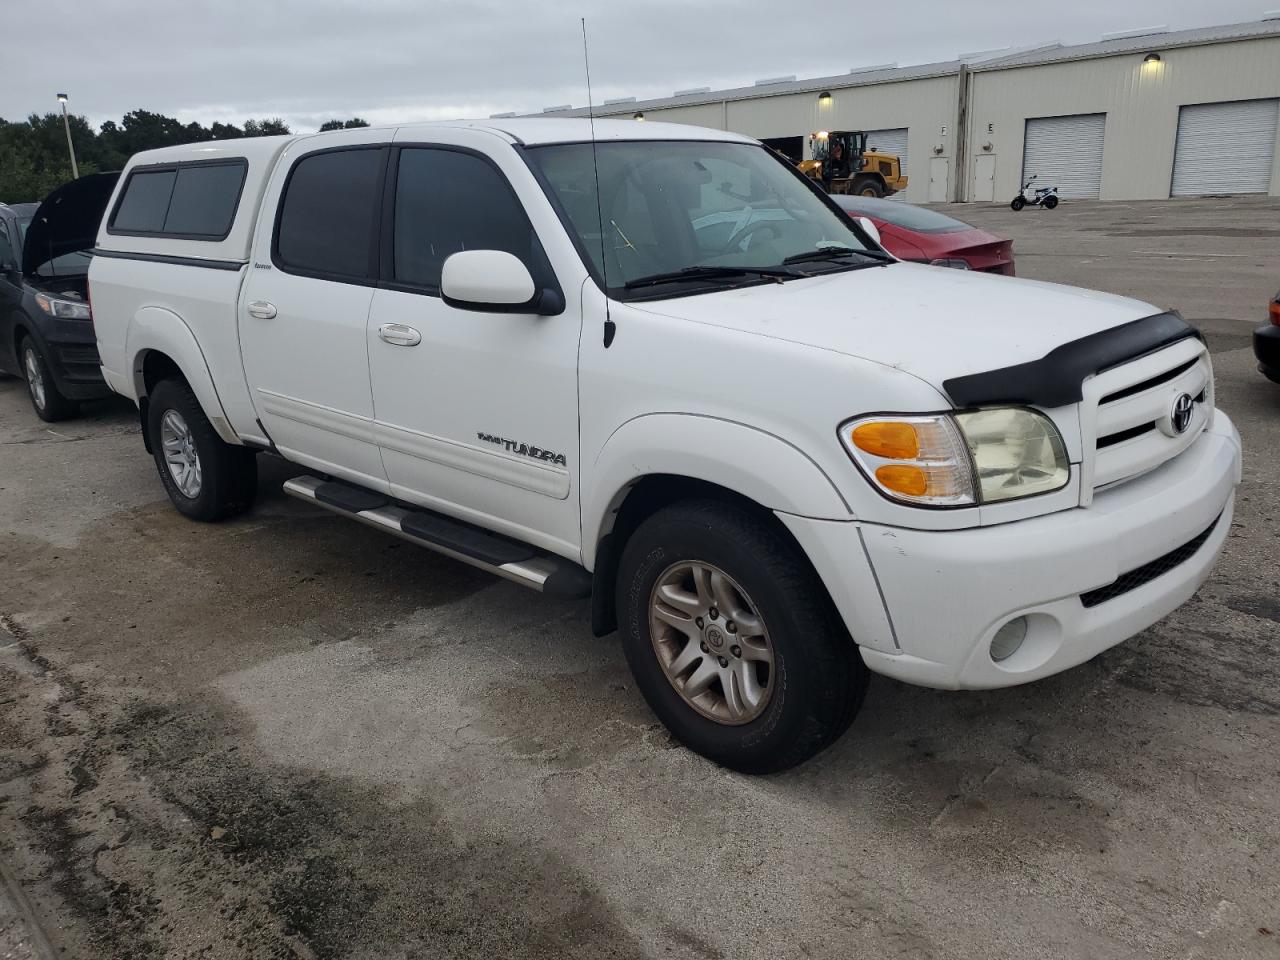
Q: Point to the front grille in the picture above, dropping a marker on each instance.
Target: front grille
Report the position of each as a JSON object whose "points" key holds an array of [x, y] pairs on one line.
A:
{"points": [[1144, 574], [1132, 427]]}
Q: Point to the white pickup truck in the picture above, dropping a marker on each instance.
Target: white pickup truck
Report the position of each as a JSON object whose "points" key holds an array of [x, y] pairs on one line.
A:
{"points": [[654, 365]]}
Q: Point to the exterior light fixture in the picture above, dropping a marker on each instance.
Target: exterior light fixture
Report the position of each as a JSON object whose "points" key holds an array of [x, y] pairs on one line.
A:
{"points": [[71, 148], [1151, 58], [639, 116], [824, 98]]}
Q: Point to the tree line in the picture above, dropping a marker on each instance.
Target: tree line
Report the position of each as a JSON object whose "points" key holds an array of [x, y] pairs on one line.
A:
{"points": [[33, 152]]}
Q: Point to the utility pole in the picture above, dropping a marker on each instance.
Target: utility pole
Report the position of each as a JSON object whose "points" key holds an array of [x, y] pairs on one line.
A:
{"points": [[66, 125]]}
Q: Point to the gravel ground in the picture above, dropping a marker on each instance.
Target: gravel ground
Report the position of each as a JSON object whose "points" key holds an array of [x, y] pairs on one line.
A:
{"points": [[291, 736]]}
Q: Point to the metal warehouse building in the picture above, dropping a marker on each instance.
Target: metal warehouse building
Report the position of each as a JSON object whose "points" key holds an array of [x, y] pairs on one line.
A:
{"points": [[1145, 115]]}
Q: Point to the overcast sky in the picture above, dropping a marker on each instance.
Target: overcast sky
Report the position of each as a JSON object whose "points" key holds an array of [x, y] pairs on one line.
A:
{"points": [[395, 60]]}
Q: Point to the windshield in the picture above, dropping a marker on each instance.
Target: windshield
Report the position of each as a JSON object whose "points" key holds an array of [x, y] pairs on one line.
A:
{"points": [[901, 214], [708, 209], [23, 223]]}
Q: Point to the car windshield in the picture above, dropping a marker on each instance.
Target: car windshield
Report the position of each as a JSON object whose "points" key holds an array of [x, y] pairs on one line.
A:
{"points": [[901, 214], [23, 223], [678, 213]]}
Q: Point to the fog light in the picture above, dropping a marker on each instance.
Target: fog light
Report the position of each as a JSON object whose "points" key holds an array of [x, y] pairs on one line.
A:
{"points": [[1008, 639]]}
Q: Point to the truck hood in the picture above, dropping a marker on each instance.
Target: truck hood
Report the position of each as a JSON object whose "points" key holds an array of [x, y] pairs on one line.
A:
{"points": [[67, 221], [932, 322]]}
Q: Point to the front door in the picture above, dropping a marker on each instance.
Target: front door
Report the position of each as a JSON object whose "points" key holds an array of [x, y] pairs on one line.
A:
{"points": [[984, 177], [304, 307], [477, 413]]}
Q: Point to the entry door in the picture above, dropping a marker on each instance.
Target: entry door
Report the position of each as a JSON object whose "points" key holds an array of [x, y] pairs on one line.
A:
{"points": [[984, 177], [304, 307], [939, 168], [477, 412]]}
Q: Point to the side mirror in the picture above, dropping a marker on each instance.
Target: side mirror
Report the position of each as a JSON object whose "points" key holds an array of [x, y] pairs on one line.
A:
{"points": [[871, 229], [494, 281]]}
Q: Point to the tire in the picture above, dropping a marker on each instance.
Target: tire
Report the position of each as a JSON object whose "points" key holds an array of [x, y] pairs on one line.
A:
{"points": [[225, 476], [868, 187], [1050, 202], [1017, 204], [47, 400], [816, 680]]}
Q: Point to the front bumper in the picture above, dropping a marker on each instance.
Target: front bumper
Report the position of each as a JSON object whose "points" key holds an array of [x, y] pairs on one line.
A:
{"points": [[946, 594], [71, 350], [1266, 347]]}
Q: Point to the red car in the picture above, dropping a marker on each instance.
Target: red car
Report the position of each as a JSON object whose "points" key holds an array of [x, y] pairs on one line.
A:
{"points": [[926, 236]]}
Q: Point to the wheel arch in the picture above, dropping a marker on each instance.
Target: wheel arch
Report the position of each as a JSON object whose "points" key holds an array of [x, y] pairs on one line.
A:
{"points": [[161, 344], [658, 459]]}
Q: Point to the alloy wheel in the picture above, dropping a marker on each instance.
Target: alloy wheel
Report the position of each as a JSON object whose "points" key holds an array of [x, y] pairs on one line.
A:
{"points": [[35, 377], [180, 454], [711, 642]]}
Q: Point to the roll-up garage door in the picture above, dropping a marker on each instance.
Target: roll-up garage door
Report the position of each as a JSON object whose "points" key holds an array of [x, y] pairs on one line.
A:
{"points": [[889, 141], [1225, 148], [1065, 152]]}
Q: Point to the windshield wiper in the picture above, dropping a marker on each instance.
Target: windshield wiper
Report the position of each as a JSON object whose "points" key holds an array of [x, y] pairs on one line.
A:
{"points": [[837, 253], [712, 272]]}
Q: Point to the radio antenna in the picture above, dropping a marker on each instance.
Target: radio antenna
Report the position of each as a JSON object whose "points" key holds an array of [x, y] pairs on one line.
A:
{"points": [[610, 328]]}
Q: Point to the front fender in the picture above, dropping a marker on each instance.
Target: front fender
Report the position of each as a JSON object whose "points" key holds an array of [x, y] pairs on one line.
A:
{"points": [[758, 465], [154, 328]]}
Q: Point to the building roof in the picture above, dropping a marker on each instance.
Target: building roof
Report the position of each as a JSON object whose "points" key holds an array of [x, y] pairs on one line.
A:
{"points": [[1144, 42], [987, 60]]}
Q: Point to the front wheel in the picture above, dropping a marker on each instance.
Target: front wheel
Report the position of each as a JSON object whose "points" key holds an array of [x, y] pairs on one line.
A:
{"points": [[1050, 202], [1017, 204], [49, 403], [206, 478], [732, 639]]}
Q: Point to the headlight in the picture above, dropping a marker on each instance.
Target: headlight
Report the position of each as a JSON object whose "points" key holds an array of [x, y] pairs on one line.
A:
{"points": [[63, 309], [960, 459], [955, 262]]}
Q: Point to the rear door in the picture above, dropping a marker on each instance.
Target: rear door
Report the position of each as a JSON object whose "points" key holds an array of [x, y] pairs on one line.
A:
{"points": [[305, 304], [477, 412]]}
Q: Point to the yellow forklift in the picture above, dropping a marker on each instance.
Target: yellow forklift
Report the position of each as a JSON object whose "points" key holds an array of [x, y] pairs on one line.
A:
{"points": [[842, 162]]}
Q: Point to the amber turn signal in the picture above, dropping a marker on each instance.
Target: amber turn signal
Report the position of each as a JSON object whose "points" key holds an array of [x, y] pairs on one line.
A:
{"points": [[890, 439]]}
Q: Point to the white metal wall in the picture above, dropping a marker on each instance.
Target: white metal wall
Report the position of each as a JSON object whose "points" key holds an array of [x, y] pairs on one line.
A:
{"points": [[1142, 101], [1225, 148], [1066, 152]]}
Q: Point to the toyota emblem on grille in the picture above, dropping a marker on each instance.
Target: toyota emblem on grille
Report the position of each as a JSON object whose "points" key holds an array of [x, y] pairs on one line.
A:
{"points": [[1180, 416]]}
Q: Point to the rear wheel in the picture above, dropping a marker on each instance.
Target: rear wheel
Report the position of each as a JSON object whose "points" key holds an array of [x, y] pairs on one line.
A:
{"points": [[868, 187], [206, 478], [1050, 202], [1017, 204], [732, 639], [50, 405]]}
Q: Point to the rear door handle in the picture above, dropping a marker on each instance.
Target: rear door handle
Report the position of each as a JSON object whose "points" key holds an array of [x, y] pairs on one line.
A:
{"points": [[262, 309], [399, 334]]}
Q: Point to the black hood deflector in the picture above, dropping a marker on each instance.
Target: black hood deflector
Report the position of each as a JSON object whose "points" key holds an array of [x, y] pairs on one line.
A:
{"points": [[1055, 379], [68, 220]]}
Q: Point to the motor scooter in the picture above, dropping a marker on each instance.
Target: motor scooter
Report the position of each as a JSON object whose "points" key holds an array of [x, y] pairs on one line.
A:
{"points": [[1046, 197]]}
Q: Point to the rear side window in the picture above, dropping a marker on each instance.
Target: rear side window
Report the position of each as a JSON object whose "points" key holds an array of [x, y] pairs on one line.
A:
{"points": [[329, 212], [190, 201], [448, 201]]}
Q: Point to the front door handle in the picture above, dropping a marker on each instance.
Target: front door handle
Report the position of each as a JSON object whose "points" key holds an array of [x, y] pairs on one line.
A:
{"points": [[262, 309], [399, 334]]}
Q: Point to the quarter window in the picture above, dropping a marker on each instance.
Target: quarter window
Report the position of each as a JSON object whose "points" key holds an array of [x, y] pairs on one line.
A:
{"points": [[193, 201], [448, 201], [328, 214]]}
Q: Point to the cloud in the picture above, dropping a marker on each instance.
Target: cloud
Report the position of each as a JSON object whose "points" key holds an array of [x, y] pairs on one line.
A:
{"points": [[396, 60]]}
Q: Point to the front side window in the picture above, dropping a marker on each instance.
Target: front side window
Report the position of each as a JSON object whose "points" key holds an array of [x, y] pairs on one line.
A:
{"points": [[448, 201], [192, 201], [692, 212], [328, 212]]}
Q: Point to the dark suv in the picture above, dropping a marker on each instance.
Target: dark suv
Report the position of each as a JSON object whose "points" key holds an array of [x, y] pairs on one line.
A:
{"points": [[46, 325]]}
